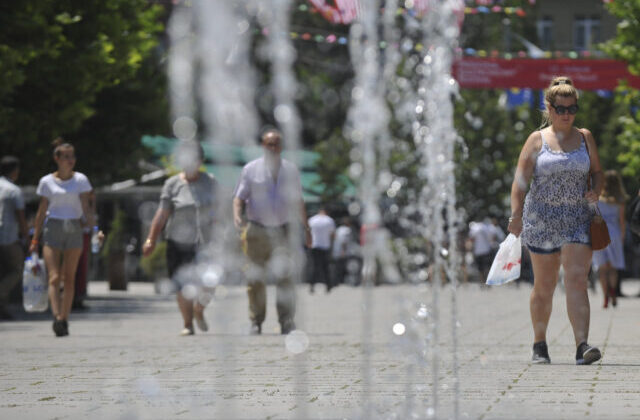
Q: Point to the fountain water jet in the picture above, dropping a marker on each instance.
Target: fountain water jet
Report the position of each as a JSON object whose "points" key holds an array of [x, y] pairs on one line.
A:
{"points": [[214, 36]]}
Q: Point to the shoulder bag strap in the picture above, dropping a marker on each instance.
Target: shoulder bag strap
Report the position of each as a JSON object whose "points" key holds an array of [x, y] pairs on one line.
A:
{"points": [[586, 145]]}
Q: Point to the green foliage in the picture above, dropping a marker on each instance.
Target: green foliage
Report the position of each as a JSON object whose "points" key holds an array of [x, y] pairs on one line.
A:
{"points": [[155, 263], [323, 72], [56, 58], [493, 137], [332, 166], [625, 47], [625, 44], [115, 238]]}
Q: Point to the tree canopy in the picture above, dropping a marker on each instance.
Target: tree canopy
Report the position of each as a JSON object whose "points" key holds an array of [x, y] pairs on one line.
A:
{"points": [[625, 47], [56, 59]]}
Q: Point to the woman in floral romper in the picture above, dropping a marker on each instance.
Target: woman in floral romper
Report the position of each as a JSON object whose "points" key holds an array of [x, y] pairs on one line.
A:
{"points": [[554, 216]]}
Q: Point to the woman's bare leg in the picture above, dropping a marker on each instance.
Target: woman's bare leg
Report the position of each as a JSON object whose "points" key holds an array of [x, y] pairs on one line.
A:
{"points": [[545, 278], [186, 309], [70, 258], [603, 277], [52, 261], [613, 285], [576, 260]]}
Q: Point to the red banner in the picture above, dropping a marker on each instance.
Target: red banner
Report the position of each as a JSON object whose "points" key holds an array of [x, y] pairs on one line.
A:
{"points": [[490, 73]]}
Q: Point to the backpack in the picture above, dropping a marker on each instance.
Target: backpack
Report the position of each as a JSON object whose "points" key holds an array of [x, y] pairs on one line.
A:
{"points": [[634, 215]]}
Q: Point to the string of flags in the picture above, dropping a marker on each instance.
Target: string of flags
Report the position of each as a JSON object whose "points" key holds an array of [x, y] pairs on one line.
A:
{"points": [[342, 39], [345, 11]]}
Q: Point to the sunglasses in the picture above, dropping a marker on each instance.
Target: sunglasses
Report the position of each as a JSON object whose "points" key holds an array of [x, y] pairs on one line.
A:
{"points": [[561, 109]]}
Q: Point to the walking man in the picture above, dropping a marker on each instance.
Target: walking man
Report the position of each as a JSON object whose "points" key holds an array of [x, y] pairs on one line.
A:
{"points": [[269, 187], [322, 233], [13, 228]]}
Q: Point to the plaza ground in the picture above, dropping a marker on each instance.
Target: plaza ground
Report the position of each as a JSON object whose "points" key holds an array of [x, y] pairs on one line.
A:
{"points": [[125, 359]]}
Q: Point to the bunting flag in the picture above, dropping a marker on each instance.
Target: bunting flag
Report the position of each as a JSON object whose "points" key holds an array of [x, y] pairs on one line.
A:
{"points": [[323, 37], [346, 11]]}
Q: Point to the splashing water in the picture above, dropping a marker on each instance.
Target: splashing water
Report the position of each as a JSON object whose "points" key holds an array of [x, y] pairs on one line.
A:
{"points": [[211, 49], [421, 98]]}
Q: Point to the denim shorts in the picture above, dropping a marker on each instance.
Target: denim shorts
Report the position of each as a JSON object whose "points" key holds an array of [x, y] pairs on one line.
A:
{"points": [[63, 233], [537, 250]]}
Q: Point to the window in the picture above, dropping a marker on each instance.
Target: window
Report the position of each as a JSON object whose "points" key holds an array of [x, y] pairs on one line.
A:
{"points": [[586, 32], [544, 28]]}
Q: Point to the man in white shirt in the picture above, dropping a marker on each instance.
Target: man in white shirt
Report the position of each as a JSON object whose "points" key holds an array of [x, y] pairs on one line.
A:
{"points": [[482, 235], [13, 228], [269, 193], [322, 233]]}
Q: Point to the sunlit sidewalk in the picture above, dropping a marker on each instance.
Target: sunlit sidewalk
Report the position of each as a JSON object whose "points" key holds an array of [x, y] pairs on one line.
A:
{"points": [[384, 355]]}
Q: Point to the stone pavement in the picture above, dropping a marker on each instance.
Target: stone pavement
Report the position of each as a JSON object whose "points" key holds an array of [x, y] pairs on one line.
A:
{"points": [[125, 360]]}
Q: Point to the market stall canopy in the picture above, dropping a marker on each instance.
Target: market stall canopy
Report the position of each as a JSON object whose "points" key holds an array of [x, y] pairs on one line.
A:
{"points": [[225, 162]]}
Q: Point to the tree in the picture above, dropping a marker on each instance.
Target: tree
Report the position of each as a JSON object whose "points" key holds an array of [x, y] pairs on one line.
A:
{"points": [[625, 47], [56, 58]]}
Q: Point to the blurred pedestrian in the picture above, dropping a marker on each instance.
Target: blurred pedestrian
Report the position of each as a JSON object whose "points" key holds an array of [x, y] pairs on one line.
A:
{"points": [[345, 249], [608, 261], [497, 235], [187, 209], [554, 217], [63, 210], [269, 193], [13, 231], [482, 237], [323, 230]]}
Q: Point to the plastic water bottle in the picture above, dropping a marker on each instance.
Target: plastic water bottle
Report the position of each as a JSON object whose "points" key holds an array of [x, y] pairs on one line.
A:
{"points": [[95, 241], [35, 297]]}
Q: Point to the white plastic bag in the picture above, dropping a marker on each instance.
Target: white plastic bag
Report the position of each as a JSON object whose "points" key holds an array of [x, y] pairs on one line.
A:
{"points": [[506, 265], [35, 296]]}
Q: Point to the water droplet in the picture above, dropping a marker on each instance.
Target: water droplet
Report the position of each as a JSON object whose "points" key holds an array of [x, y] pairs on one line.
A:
{"points": [[189, 291], [355, 170], [296, 342], [399, 328], [185, 128], [165, 287], [211, 276], [204, 297], [243, 25], [354, 209], [279, 264], [282, 113]]}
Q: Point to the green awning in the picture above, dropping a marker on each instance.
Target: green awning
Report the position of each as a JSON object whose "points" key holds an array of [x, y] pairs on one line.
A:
{"points": [[225, 162]]}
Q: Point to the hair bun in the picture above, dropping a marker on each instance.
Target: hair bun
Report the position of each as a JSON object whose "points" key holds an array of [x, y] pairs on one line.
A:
{"points": [[58, 141]]}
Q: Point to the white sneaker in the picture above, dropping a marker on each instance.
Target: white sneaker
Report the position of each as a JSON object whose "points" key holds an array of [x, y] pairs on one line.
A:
{"points": [[187, 331]]}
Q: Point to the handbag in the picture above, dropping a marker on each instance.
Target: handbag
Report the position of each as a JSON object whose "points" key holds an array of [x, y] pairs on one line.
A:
{"points": [[598, 229], [599, 233]]}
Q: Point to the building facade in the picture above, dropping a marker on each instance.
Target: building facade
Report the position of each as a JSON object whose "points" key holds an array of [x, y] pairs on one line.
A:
{"points": [[573, 25]]}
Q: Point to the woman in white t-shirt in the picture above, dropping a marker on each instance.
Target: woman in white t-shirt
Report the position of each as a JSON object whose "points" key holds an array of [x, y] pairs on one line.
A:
{"points": [[64, 200]]}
